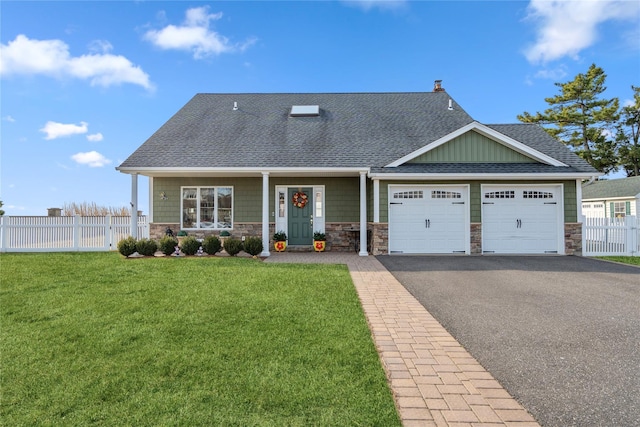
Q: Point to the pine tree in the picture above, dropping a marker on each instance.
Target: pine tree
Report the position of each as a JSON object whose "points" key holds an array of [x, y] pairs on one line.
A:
{"points": [[581, 119], [629, 134]]}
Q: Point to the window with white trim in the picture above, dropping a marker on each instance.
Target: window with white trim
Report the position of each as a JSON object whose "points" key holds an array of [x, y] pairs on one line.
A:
{"points": [[439, 194], [619, 209], [537, 195], [416, 194], [318, 204], [509, 194], [207, 207]]}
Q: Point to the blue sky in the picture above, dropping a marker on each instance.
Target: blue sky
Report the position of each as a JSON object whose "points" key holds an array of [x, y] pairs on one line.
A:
{"points": [[83, 84]]}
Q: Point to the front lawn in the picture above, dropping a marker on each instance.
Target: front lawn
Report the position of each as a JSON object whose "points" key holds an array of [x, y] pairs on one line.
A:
{"points": [[633, 260], [93, 338]]}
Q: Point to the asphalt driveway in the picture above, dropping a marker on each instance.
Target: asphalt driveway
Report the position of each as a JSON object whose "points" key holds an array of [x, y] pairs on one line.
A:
{"points": [[561, 334]]}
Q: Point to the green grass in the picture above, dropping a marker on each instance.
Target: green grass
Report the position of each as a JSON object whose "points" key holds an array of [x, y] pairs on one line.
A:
{"points": [[96, 339], [633, 260]]}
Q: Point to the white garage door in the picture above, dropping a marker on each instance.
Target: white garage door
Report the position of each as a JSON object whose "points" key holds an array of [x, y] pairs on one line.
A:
{"points": [[522, 219], [428, 219]]}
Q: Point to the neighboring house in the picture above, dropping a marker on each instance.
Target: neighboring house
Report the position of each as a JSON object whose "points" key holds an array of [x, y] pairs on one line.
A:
{"points": [[414, 169], [612, 198]]}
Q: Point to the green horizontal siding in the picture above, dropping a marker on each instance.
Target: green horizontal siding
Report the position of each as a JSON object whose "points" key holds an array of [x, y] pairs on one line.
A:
{"points": [[472, 147], [342, 196]]}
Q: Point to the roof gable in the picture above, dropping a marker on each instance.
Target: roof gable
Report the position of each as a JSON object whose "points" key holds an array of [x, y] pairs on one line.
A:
{"points": [[516, 150], [472, 147]]}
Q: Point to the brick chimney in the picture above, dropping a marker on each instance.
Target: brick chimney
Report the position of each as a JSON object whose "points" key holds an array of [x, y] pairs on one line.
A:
{"points": [[437, 86]]}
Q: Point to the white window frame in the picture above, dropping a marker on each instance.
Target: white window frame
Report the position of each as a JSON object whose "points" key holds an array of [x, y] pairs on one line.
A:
{"points": [[199, 225], [619, 209]]}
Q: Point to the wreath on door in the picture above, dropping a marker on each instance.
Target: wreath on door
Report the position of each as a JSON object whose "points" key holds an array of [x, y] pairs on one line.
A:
{"points": [[299, 199]]}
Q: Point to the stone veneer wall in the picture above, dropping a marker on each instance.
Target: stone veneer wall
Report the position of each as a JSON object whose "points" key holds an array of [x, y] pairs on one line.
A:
{"points": [[476, 238], [573, 238], [380, 238], [339, 239]]}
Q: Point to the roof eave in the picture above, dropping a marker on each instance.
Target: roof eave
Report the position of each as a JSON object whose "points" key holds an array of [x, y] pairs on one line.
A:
{"points": [[242, 172], [481, 176]]}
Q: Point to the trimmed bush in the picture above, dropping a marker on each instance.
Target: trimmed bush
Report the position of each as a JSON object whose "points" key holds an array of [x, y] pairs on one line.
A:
{"points": [[189, 245], [233, 246], [127, 246], [211, 245], [146, 247], [253, 245], [168, 245]]}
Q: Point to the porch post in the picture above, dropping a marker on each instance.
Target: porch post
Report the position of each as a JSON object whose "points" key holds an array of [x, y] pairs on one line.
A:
{"points": [[363, 214], [376, 200], [134, 205], [265, 214]]}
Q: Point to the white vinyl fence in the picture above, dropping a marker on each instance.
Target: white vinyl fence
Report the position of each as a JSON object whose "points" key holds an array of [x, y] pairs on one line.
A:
{"points": [[66, 233], [611, 236]]}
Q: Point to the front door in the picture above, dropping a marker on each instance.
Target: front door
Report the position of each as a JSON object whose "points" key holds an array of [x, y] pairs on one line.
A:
{"points": [[300, 220]]}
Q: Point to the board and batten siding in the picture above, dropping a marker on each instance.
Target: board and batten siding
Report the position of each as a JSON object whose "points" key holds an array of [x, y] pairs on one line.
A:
{"points": [[475, 196], [472, 147]]}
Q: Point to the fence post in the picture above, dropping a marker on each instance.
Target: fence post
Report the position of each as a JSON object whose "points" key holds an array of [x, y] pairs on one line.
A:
{"points": [[632, 235], [76, 232], [583, 220], [3, 244], [108, 235]]}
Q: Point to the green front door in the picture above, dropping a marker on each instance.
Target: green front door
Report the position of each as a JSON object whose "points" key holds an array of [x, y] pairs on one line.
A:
{"points": [[300, 224]]}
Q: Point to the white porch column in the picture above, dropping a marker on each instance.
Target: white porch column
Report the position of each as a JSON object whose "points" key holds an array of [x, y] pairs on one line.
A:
{"points": [[376, 200], [363, 214], [134, 205], [578, 199], [265, 214]]}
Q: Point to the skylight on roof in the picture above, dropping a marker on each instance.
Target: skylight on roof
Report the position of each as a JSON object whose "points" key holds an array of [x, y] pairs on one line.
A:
{"points": [[305, 111]]}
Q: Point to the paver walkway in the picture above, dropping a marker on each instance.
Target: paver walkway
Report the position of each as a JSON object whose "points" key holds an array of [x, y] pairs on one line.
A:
{"points": [[434, 380]]}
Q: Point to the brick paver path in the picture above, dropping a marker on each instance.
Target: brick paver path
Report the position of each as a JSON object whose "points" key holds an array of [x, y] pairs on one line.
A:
{"points": [[434, 380]]}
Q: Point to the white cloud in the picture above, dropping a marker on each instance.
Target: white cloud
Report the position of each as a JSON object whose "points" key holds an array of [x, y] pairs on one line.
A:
{"points": [[566, 27], [92, 159], [367, 5], [554, 74], [58, 130], [52, 58], [9, 119], [95, 137], [194, 35]]}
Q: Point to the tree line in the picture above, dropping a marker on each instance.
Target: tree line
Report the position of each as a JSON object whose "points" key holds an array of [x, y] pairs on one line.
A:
{"points": [[594, 127]]}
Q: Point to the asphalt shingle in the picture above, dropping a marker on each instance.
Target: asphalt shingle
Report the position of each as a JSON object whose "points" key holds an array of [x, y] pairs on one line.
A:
{"points": [[352, 130]]}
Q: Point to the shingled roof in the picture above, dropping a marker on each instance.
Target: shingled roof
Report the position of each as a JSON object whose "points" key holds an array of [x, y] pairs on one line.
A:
{"points": [[612, 189], [352, 130]]}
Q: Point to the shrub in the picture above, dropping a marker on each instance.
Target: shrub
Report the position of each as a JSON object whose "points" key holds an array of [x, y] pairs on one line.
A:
{"points": [[189, 245], [233, 246], [253, 245], [146, 247], [168, 245], [211, 245], [127, 246]]}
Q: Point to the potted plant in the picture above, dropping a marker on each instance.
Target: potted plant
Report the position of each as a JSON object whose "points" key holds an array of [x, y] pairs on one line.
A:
{"points": [[181, 235], [279, 241], [319, 241], [224, 235]]}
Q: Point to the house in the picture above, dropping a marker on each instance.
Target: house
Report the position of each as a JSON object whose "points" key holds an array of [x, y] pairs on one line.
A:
{"points": [[611, 198], [413, 169]]}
